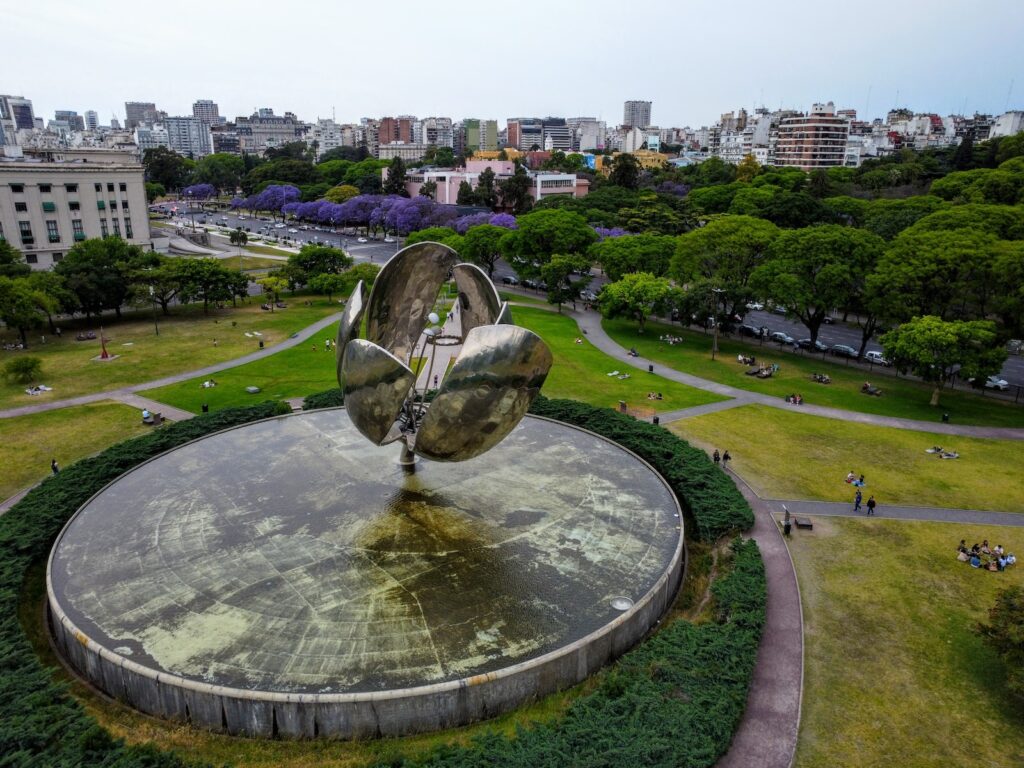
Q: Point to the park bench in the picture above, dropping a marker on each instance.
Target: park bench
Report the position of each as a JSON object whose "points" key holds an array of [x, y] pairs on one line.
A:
{"points": [[803, 522], [154, 420]]}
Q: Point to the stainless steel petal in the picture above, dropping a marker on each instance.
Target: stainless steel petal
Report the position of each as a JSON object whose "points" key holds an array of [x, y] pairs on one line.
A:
{"points": [[403, 295], [505, 316], [479, 302], [487, 392], [348, 328], [376, 386]]}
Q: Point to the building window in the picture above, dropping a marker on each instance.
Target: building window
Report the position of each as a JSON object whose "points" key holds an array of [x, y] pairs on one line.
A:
{"points": [[31, 258], [71, 187], [123, 187], [113, 205], [57, 257], [17, 188], [26, 232], [117, 227], [110, 186], [103, 227], [44, 188], [21, 207], [101, 205], [124, 205], [2, 238], [128, 228], [76, 228], [73, 205], [99, 187], [52, 232], [49, 206]]}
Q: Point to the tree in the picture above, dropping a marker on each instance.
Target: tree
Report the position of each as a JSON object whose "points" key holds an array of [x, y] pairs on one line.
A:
{"points": [[558, 274], [238, 237], [153, 191], [222, 170], [809, 271], [486, 193], [428, 189], [23, 370], [19, 307], [542, 234], [443, 235], [295, 172], [312, 260], [397, 176], [341, 193], [1005, 634], [444, 157], [98, 272], [936, 350], [963, 158], [503, 155], [207, 280], [747, 169], [651, 214], [160, 283], [57, 296], [637, 296], [166, 167], [515, 191], [273, 284], [625, 171], [480, 245], [12, 263], [365, 272], [725, 252], [352, 154], [634, 253], [465, 195], [328, 283]]}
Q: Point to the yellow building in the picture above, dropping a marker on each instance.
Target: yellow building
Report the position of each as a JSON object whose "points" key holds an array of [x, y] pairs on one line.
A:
{"points": [[511, 153]]}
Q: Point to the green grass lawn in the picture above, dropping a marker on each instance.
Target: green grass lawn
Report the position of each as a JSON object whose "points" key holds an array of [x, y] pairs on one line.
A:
{"points": [[185, 343], [894, 674], [249, 263], [786, 454], [579, 371], [516, 298], [901, 397], [68, 434], [266, 250]]}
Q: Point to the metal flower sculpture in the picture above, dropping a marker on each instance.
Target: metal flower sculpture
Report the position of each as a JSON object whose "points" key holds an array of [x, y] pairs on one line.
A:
{"points": [[488, 390]]}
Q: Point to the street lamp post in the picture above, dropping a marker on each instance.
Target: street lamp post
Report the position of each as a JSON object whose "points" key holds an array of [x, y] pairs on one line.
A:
{"points": [[714, 318], [152, 300]]}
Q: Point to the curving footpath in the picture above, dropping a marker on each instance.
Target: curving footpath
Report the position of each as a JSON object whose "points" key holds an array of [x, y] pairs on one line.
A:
{"points": [[128, 394]]}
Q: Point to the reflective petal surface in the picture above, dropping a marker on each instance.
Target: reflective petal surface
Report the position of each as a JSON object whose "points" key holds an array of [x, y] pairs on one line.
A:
{"points": [[487, 392], [403, 295], [376, 386], [348, 328], [479, 303]]}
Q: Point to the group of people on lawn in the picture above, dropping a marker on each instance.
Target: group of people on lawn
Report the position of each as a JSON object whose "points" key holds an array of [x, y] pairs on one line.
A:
{"points": [[985, 557]]}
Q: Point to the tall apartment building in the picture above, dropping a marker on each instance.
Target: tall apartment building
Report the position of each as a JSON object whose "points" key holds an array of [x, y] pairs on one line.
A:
{"points": [[636, 114], [395, 129], [525, 133], [15, 115], [587, 133], [188, 136], [480, 134], [437, 131], [811, 141], [46, 207], [225, 139], [557, 136], [137, 112], [74, 120], [92, 120], [207, 111], [151, 137]]}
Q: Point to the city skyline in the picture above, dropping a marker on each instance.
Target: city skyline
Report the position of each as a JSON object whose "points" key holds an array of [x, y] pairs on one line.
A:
{"points": [[923, 63]]}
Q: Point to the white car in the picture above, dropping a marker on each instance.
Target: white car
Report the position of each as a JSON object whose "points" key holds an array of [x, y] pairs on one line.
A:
{"points": [[994, 382], [294, 231], [755, 305], [362, 240], [875, 356], [279, 226], [389, 239], [242, 218]]}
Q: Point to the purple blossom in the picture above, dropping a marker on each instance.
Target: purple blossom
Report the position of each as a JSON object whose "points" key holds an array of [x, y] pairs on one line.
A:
{"points": [[200, 191], [463, 223], [506, 220], [238, 202], [603, 232], [275, 197], [442, 216]]}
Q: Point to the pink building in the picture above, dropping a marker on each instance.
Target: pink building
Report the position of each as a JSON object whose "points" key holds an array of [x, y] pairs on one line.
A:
{"points": [[544, 183]]}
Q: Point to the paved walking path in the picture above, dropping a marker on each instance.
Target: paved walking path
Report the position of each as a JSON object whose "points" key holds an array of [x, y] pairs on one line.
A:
{"points": [[125, 394], [930, 514], [767, 734], [590, 323]]}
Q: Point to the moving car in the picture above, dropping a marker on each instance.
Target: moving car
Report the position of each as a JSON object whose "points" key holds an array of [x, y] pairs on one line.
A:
{"points": [[843, 350], [755, 305], [749, 330], [279, 225], [509, 280], [994, 382], [389, 239], [293, 231], [362, 240], [782, 337], [875, 356]]}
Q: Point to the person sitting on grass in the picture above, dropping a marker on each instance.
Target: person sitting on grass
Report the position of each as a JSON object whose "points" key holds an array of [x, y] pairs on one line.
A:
{"points": [[1010, 559], [975, 561], [850, 477], [1001, 563]]}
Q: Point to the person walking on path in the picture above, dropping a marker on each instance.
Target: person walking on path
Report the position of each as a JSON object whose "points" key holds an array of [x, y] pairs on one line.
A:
{"points": [[726, 458], [871, 505], [856, 500], [53, 466], [716, 456]]}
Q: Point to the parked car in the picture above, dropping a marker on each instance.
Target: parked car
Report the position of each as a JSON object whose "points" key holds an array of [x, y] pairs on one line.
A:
{"points": [[528, 283], [749, 330], [293, 231], [875, 356], [781, 337], [755, 305], [779, 310], [509, 280], [362, 240], [589, 295], [843, 350], [817, 346], [279, 225], [993, 382], [389, 239]]}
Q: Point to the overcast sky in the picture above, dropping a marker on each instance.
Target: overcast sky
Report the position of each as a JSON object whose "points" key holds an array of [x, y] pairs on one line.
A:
{"points": [[693, 58]]}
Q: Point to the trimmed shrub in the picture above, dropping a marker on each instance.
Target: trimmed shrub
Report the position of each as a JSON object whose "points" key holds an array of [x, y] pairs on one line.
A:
{"points": [[23, 370]]}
